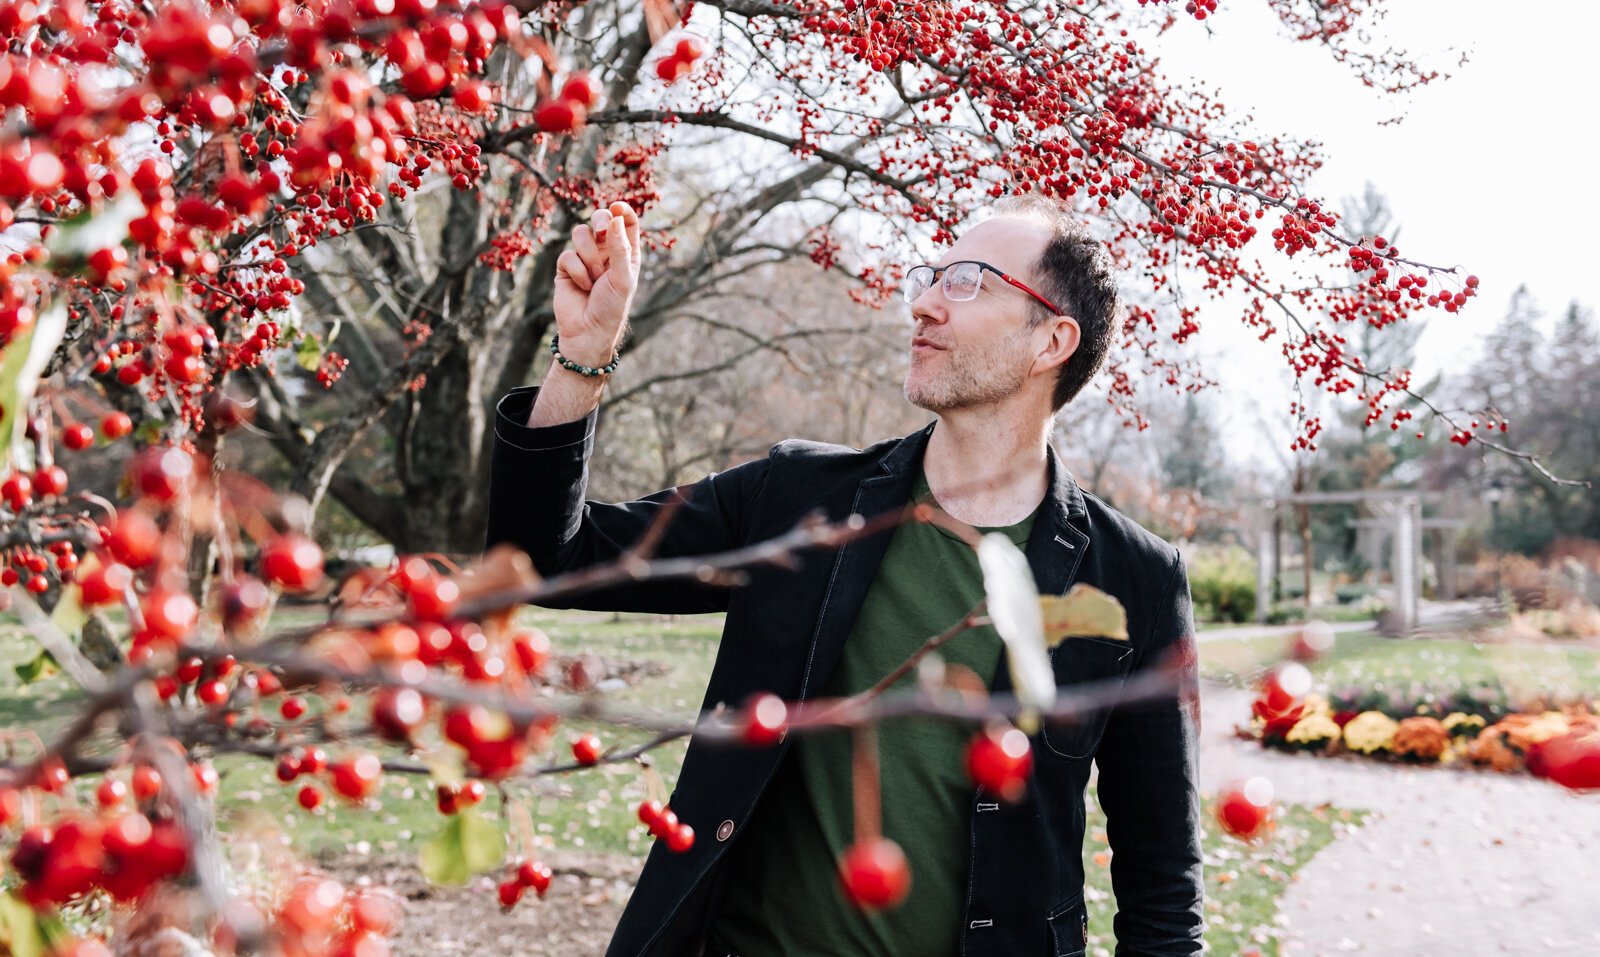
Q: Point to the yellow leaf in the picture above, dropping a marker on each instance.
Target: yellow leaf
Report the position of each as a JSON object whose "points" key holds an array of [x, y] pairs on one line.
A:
{"points": [[1085, 611]]}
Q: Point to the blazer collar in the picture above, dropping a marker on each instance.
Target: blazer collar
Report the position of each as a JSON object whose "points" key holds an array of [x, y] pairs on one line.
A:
{"points": [[1064, 499]]}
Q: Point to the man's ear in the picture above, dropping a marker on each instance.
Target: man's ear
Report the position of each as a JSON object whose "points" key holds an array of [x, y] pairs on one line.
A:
{"points": [[1063, 342]]}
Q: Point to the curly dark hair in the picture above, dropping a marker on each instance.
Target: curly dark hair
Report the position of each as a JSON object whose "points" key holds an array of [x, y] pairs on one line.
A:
{"points": [[1074, 273]]}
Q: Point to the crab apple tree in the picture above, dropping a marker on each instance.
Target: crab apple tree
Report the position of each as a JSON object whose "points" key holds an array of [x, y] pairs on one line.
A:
{"points": [[260, 183], [197, 199]]}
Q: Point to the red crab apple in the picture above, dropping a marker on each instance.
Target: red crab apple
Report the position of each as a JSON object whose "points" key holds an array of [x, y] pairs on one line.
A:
{"points": [[582, 89], [875, 874], [680, 838], [163, 473], [559, 116], [766, 719], [472, 96], [293, 561], [77, 436], [536, 875], [999, 760], [146, 783], [1312, 642], [357, 778], [1245, 808], [106, 583], [532, 650], [114, 425], [586, 749]]}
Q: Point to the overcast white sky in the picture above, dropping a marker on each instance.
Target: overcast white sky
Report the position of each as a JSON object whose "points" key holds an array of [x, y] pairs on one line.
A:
{"points": [[1489, 169]]}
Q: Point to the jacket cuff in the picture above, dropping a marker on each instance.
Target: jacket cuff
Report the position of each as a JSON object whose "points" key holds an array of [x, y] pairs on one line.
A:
{"points": [[511, 414]]}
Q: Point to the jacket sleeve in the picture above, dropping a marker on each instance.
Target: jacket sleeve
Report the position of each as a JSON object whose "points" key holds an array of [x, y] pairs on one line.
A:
{"points": [[537, 481], [1149, 789]]}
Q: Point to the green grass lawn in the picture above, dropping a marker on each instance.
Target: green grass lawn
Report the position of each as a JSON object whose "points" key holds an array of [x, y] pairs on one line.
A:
{"points": [[1243, 879], [594, 810], [1395, 665]]}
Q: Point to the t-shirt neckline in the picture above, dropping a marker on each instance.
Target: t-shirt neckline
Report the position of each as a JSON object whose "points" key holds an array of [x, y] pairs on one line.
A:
{"points": [[1017, 532]]}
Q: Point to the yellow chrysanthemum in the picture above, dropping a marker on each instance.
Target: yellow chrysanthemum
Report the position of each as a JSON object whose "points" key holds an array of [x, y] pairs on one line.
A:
{"points": [[1318, 704], [1370, 731], [1315, 728]]}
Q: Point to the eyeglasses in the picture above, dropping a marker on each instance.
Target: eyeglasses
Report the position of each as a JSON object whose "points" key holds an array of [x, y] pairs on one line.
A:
{"points": [[961, 282]]}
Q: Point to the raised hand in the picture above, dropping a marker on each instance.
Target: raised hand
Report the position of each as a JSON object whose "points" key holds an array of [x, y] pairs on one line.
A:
{"points": [[596, 277]]}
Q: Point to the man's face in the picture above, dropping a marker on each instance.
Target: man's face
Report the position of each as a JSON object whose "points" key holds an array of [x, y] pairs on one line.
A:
{"points": [[967, 354]]}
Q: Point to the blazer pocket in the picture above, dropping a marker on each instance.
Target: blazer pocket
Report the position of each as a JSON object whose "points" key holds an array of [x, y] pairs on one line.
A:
{"points": [[1077, 662], [1069, 929]]}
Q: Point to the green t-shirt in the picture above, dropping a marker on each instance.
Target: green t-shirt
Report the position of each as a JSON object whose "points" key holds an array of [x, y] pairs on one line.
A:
{"points": [[783, 890]]}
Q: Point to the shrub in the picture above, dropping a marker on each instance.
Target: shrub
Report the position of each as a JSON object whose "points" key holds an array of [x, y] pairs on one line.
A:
{"points": [[1223, 583], [1348, 594]]}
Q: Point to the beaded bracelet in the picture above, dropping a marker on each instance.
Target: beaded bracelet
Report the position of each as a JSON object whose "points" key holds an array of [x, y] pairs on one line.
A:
{"points": [[577, 367]]}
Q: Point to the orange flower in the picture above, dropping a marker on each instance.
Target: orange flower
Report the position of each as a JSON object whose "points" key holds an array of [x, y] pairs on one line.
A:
{"points": [[1423, 738]]}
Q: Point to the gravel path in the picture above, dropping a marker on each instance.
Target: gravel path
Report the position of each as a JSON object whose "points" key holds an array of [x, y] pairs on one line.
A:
{"points": [[1451, 862]]}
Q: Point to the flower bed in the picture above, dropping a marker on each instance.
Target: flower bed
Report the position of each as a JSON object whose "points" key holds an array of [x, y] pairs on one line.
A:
{"points": [[1561, 743]]}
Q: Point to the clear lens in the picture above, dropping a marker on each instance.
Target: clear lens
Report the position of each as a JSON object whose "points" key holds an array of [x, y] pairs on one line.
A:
{"points": [[961, 281], [918, 279]]}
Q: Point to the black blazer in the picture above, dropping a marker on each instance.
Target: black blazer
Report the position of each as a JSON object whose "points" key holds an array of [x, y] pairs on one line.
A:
{"points": [[783, 634]]}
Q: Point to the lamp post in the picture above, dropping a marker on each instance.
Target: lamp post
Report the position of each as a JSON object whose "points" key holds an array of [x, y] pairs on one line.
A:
{"points": [[1494, 496]]}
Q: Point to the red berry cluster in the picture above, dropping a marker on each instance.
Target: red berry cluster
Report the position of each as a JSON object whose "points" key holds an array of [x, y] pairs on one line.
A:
{"points": [[527, 875], [318, 917], [681, 61], [332, 367], [25, 564], [506, 250], [121, 850], [569, 110], [451, 798], [663, 823], [264, 336]]}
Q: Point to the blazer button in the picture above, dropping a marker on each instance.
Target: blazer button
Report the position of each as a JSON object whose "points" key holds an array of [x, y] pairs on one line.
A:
{"points": [[724, 830]]}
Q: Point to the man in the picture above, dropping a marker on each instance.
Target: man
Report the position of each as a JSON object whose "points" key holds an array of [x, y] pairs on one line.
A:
{"points": [[1011, 323]]}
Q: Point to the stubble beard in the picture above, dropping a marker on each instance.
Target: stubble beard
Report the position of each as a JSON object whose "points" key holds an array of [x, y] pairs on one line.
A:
{"points": [[962, 378]]}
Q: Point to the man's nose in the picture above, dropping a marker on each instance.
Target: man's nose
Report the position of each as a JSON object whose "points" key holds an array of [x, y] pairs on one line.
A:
{"points": [[930, 306]]}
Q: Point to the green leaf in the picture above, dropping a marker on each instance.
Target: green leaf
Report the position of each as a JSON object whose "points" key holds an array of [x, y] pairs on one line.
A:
{"points": [[20, 366], [467, 845], [309, 353], [1085, 611], [22, 932], [148, 432], [42, 665], [69, 613]]}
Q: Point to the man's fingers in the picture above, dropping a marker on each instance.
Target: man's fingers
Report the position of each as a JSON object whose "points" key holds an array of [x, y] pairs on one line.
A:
{"points": [[571, 267], [617, 244], [584, 243], [630, 219]]}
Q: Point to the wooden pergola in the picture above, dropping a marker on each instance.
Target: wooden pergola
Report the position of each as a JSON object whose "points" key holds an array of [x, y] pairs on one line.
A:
{"points": [[1396, 513]]}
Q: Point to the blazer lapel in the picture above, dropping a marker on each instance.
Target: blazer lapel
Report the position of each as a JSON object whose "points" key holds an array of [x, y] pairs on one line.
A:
{"points": [[856, 563], [1055, 546]]}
